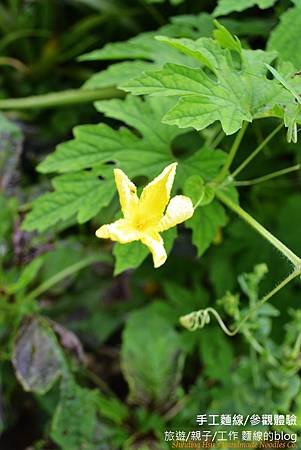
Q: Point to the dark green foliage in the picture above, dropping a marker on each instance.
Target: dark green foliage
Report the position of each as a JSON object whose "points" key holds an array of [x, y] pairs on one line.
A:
{"points": [[152, 380], [95, 353]]}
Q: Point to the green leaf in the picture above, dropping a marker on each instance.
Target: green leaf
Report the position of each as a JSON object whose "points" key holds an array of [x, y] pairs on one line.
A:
{"points": [[208, 196], [37, 357], [228, 6], [287, 388], [216, 353], [225, 38], [202, 101], [11, 140], [145, 47], [194, 188], [74, 422], [95, 146], [130, 256], [228, 94], [230, 303], [200, 193], [141, 46], [145, 52], [86, 163], [83, 193], [249, 282], [204, 225], [285, 38], [8, 211], [292, 116], [292, 107], [287, 105], [284, 83], [26, 277], [111, 408], [117, 74], [153, 379]]}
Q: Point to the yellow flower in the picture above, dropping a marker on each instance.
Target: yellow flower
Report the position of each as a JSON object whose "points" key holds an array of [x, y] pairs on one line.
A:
{"points": [[144, 218]]}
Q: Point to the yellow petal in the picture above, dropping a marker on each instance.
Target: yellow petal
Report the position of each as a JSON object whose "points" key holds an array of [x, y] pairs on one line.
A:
{"points": [[127, 193], [155, 195], [120, 231], [156, 246], [180, 208]]}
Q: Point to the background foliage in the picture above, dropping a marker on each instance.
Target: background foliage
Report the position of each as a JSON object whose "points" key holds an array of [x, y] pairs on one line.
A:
{"points": [[92, 353]]}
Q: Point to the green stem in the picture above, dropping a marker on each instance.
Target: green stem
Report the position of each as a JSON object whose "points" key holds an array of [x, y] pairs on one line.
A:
{"points": [[55, 279], [267, 297], [297, 347], [198, 319], [254, 343], [54, 99], [256, 151], [12, 62], [231, 155], [216, 140], [267, 177], [259, 228]]}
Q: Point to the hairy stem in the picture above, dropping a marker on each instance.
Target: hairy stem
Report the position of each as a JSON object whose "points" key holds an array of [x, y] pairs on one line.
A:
{"points": [[54, 99], [295, 260]]}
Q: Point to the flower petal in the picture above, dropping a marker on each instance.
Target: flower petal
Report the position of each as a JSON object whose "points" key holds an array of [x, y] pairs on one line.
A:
{"points": [[156, 246], [180, 208], [127, 193], [120, 231], [155, 195]]}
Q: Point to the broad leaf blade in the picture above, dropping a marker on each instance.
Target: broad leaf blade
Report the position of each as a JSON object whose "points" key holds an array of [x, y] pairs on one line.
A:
{"points": [[74, 422], [205, 224], [285, 38], [228, 6], [82, 194], [151, 366], [230, 93], [37, 358]]}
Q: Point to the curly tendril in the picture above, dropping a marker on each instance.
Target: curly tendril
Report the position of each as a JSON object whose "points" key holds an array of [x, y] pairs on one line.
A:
{"points": [[198, 319]]}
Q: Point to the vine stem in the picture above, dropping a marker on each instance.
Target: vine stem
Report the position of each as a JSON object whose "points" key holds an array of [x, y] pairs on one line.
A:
{"points": [[231, 155], [291, 256], [56, 278], [13, 62], [256, 151], [267, 177], [63, 98], [198, 319]]}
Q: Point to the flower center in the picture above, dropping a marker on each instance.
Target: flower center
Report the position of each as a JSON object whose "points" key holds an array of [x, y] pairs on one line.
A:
{"points": [[141, 224]]}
